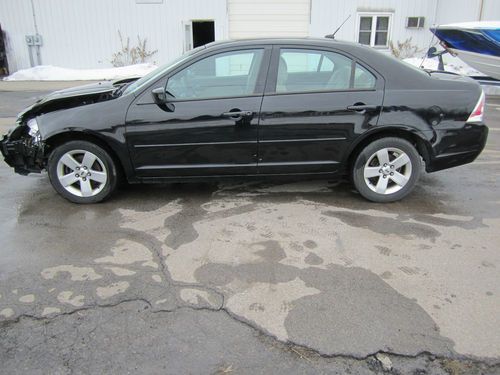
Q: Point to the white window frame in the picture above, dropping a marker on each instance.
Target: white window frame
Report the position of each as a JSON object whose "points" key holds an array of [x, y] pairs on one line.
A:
{"points": [[420, 22], [187, 32], [374, 16]]}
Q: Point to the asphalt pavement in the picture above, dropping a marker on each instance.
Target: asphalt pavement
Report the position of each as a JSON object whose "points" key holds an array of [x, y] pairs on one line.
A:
{"points": [[254, 277]]}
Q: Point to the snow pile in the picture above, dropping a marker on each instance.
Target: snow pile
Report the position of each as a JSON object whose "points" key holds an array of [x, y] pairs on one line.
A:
{"points": [[453, 65], [55, 73]]}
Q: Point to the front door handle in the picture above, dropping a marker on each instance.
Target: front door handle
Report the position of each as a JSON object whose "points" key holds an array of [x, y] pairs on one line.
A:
{"points": [[362, 108], [237, 115]]}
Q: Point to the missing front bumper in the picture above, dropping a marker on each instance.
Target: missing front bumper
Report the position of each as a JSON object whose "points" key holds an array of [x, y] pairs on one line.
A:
{"points": [[25, 154]]}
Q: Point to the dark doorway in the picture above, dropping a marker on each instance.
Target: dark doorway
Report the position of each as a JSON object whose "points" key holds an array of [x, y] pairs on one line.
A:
{"points": [[4, 68], [203, 32]]}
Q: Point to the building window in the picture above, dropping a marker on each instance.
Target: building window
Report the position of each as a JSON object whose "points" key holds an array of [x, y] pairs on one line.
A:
{"points": [[374, 29], [415, 22]]}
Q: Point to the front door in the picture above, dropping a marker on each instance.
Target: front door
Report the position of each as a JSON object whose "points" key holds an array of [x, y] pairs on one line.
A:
{"points": [[315, 103], [209, 126]]}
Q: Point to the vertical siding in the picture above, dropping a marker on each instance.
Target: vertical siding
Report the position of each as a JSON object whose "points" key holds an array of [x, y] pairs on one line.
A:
{"points": [[327, 15], [268, 18], [452, 11], [16, 21], [83, 33], [491, 10]]}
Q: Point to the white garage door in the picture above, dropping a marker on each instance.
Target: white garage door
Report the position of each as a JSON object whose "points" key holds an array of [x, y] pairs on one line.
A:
{"points": [[268, 18]]}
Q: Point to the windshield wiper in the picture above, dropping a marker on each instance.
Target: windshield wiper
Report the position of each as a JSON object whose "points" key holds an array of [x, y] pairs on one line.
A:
{"points": [[119, 90]]}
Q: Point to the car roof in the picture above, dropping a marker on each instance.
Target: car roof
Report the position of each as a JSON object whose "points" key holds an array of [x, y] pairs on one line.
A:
{"points": [[299, 41]]}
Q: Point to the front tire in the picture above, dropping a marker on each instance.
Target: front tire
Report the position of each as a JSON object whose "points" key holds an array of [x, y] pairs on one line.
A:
{"points": [[82, 172], [386, 170]]}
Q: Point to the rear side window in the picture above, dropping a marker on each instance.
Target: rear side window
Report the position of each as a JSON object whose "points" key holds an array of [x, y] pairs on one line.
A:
{"points": [[304, 70]]}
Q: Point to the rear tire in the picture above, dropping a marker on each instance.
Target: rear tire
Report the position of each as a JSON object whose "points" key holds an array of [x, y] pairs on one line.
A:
{"points": [[82, 172], [386, 170]]}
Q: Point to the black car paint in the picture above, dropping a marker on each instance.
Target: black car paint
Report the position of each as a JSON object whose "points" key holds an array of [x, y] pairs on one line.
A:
{"points": [[283, 134], [196, 138]]}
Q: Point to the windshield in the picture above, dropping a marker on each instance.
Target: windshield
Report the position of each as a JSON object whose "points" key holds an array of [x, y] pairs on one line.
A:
{"points": [[158, 72]]}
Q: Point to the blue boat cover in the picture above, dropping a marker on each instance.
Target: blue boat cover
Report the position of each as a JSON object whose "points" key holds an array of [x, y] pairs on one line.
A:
{"points": [[484, 41]]}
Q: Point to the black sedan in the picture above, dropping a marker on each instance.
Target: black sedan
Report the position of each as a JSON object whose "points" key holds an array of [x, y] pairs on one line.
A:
{"points": [[255, 108]]}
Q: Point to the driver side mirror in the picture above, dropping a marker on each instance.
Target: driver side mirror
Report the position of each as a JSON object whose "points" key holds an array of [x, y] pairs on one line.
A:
{"points": [[160, 96]]}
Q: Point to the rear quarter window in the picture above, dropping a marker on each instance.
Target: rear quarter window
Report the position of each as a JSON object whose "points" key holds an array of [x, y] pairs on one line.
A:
{"points": [[363, 79]]}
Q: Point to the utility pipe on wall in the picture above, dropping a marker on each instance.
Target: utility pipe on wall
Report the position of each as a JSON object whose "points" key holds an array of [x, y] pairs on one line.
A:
{"points": [[481, 8], [38, 38]]}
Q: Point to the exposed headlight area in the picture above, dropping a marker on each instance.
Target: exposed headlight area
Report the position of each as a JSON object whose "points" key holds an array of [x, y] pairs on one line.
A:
{"points": [[33, 131], [33, 126]]}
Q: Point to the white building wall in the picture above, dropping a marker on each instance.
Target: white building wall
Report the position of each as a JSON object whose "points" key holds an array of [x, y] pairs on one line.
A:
{"points": [[84, 33], [16, 21], [327, 15], [453, 11], [491, 10]]}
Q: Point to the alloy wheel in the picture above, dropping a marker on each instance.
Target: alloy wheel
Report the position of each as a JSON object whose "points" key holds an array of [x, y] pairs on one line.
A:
{"points": [[387, 171], [81, 173]]}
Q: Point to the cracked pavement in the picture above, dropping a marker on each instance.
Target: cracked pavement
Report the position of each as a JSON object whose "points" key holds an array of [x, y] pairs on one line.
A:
{"points": [[255, 277]]}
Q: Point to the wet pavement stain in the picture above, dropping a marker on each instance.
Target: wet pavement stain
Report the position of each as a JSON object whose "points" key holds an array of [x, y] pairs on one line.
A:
{"points": [[310, 244], [294, 273], [195, 208], [271, 251], [385, 225], [181, 225], [330, 321], [389, 317], [313, 259]]}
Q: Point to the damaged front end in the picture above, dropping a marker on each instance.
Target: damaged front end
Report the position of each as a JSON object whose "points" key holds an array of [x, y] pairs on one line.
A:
{"points": [[23, 148]]}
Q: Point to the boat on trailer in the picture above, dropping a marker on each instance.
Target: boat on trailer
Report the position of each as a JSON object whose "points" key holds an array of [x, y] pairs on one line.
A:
{"points": [[475, 43]]}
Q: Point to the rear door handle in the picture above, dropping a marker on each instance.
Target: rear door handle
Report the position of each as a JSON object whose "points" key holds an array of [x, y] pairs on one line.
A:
{"points": [[237, 115], [362, 108]]}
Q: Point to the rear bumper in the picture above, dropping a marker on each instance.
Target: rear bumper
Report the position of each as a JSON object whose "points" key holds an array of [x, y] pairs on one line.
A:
{"points": [[22, 152], [454, 147]]}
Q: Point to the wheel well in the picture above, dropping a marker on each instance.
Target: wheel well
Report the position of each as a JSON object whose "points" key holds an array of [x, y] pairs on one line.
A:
{"points": [[414, 139], [62, 138]]}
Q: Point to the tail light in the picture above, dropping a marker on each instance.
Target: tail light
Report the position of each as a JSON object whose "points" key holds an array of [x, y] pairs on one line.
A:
{"points": [[478, 112]]}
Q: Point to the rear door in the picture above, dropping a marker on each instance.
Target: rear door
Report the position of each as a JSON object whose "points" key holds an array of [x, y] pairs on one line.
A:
{"points": [[316, 102]]}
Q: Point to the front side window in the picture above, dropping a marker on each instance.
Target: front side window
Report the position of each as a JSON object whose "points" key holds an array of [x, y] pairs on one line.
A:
{"points": [[223, 75], [373, 30], [301, 70]]}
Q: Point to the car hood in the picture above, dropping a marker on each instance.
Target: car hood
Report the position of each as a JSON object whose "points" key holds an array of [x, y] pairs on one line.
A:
{"points": [[84, 89], [72, 97]]}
